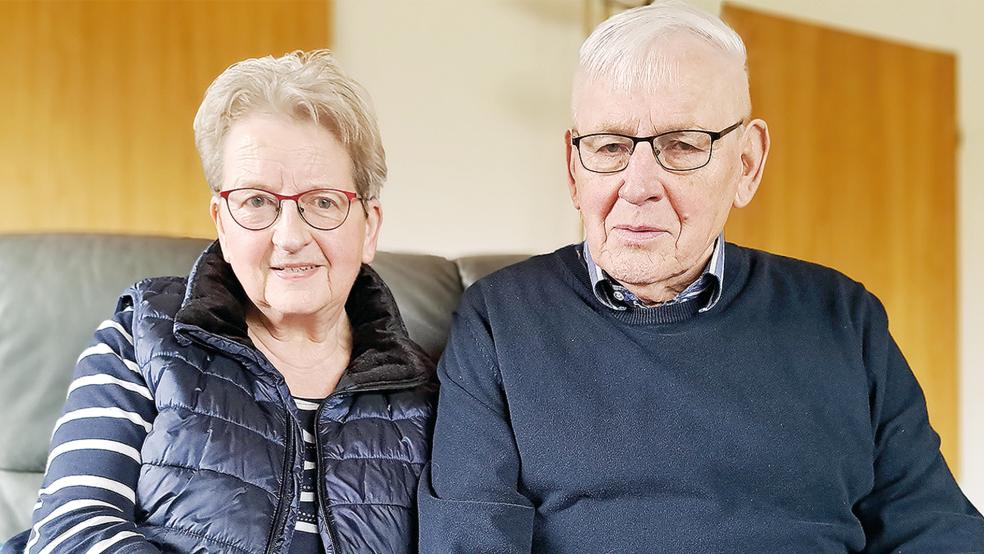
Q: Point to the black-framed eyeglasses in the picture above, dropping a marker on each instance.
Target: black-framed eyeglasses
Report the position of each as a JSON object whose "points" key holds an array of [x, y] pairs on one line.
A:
{"points": [[257, 209], [684, 150]]}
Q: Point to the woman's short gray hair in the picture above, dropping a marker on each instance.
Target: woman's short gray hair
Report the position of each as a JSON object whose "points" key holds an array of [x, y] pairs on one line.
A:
{"points": [[620, 49], [307, 85]]}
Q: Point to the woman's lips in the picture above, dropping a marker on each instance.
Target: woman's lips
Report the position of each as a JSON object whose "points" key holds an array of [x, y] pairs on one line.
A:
{"points": [[295, 271]]}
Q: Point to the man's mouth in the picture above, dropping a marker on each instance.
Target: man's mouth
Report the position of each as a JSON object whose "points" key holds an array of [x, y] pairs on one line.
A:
{"points": [[637, 234], [639, 228]]}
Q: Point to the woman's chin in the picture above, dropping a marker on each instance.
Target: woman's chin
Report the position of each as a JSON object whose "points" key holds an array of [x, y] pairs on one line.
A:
{"points": [[292, 304]]}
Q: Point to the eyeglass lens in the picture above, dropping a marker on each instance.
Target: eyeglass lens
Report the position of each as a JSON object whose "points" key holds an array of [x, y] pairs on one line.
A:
{"points": [[256, 209], [680, 151]]}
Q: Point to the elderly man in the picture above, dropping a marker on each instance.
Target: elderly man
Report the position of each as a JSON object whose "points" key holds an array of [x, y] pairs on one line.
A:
{"points": [[656, 389]]}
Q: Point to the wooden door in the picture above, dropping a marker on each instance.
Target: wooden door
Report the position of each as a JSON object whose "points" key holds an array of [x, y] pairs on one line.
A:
{"points": [[97, 127], [862, 178]]}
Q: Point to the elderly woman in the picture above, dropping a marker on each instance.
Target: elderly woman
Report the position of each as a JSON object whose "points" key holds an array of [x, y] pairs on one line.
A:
{"points": [[271, 401]]}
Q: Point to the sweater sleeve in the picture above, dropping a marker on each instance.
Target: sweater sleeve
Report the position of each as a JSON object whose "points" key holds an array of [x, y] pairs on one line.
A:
{"points": [[469, 496], [915, 504], [86, 503]]}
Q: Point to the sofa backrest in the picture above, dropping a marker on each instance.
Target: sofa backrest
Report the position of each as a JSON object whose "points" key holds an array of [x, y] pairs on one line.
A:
{"points": [[56, 288]]}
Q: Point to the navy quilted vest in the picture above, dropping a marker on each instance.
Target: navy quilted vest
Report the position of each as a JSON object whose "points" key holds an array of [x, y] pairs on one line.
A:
{"points": [[222, 465]]}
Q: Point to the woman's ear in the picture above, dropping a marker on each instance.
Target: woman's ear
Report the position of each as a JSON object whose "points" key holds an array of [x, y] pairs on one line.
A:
{"points": [[214, 206], [374, 220]]}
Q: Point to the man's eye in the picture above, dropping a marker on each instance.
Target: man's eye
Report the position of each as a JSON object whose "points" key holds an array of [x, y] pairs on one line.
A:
{"points": [[682, 147], [613, 148]]}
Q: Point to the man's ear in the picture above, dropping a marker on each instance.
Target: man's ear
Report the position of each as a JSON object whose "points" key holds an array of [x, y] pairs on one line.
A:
{"points": [[374, 220], [571, 160], [213, 210], [754, 152]]}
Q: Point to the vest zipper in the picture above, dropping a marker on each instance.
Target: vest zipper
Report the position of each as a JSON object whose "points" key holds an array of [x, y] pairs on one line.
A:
{"points": [[323, 503], [286, 475]]}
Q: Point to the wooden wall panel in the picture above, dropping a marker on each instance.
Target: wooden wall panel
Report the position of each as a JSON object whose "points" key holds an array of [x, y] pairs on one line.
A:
{"points": [[862, 177], [97, 127]]}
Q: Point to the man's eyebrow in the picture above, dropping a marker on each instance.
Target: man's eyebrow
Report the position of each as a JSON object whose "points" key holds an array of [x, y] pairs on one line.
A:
{"points": [[622, 130], [613, 128], [630, 130]]}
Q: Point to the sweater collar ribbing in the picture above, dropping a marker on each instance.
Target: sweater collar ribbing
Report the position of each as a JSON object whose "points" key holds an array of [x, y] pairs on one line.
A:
{"points": [[735, 273]]}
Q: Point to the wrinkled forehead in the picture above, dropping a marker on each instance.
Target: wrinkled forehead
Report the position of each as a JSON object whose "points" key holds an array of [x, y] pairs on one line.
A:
{"points": [[682, 80], [274, 150]]}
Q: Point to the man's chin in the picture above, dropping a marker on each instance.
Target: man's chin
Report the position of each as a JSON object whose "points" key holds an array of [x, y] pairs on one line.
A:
{"points": [[635, 264]]}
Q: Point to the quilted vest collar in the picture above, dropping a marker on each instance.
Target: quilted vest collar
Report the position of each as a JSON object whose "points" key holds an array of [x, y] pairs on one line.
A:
{"points": [[213, 314]]}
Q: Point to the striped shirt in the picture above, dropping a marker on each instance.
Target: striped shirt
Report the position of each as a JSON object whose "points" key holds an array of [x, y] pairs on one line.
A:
{"points": [[86, 503], [616, 296], [87, 500], [306, 538]]}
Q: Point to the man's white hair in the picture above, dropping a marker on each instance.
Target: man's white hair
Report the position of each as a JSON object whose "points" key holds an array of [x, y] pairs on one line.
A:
{"points": [[300, 85], [623, 50]]}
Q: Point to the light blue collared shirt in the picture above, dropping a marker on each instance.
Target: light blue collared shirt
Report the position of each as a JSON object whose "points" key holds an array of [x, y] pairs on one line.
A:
{"points": [[613, 294]]}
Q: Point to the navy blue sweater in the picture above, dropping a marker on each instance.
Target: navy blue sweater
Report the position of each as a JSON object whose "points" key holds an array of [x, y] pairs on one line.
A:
{"points": [[784, 419]]}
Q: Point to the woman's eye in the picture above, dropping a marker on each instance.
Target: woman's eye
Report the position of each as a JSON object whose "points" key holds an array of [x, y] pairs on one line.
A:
{"points": [[324, 203], [257, 201]]}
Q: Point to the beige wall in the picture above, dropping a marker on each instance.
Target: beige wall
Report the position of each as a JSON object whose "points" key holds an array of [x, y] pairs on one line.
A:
{"points": [[473, 101]]}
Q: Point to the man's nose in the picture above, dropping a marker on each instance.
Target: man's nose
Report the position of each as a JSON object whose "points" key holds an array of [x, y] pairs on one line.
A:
{"points": [[642, 179], [290, 231]]}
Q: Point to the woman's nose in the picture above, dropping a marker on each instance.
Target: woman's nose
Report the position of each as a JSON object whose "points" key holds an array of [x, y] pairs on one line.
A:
{"points": [[290, 231]]}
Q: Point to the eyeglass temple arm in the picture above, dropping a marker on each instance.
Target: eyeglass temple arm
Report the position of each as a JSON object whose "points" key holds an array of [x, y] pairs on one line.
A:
{"points": [[722, 132]]}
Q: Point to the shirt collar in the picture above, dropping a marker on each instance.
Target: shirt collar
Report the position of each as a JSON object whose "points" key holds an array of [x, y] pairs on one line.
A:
{"points": [[612, 294]]}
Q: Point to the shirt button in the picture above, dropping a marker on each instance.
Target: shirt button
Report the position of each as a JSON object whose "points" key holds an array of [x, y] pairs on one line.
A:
{"points": [[619, 296]]}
